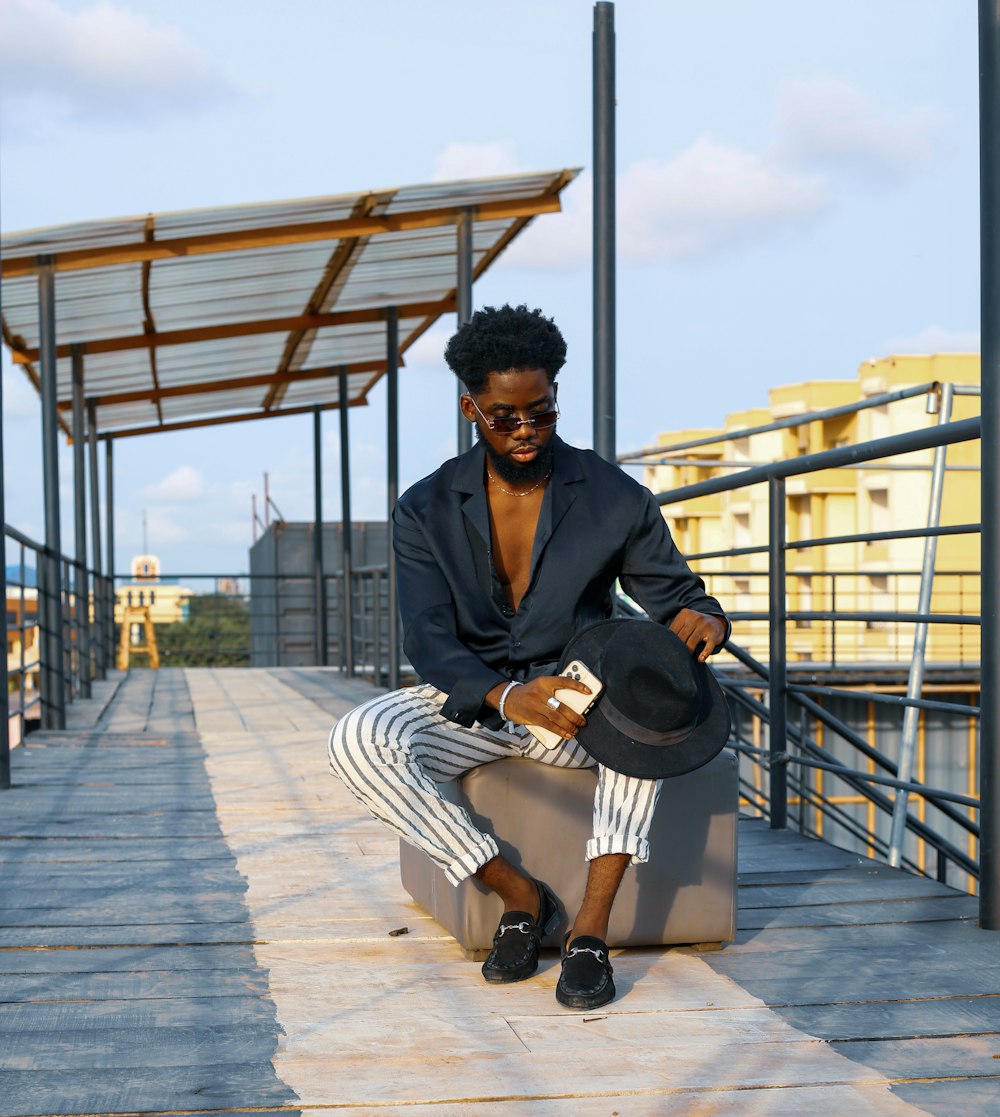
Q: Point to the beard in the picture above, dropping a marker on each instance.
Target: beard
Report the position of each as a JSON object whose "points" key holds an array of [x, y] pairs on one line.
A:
{"points": [[521, 473]]}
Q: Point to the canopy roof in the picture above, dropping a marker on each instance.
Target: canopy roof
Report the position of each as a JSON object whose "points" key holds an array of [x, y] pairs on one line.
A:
{"points": [[245, 312]]}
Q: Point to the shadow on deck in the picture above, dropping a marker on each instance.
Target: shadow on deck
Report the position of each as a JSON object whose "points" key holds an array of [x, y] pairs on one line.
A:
{"points": [[195, 917]]}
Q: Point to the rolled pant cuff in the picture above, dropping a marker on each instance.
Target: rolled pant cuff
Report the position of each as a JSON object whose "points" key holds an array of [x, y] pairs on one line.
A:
{"points": [[466, 865], [637, 849]]}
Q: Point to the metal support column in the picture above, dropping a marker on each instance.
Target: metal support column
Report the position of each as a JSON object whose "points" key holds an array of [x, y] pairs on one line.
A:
{"points": [[911, 716], [463, 300], [319, 584], [50, 593], [109, 513], [346, 563], [81, 586], [989, 225], [101, 661], [392, 482], [4, 692], [604, 230], [777, 610]]}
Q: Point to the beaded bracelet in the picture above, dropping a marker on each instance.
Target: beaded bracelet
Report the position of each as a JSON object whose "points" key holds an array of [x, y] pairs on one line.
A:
{"points": [[503, 698]]}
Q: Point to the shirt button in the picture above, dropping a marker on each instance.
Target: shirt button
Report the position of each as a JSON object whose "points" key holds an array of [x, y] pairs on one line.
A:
{"points": [[517, 643]]}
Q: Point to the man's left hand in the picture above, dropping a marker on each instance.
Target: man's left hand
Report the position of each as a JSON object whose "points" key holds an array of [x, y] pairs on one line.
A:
{"points": [[702, 633]]}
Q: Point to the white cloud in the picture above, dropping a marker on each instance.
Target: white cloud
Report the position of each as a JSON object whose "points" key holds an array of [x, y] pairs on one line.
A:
{"points": [[162, 528], [707, 200], [103, 61], [935, 339], [827, 122], [486, 160], [184, 484]]}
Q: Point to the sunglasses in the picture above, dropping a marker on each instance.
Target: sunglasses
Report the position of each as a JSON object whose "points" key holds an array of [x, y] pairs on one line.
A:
{"points": [[507, 424]]}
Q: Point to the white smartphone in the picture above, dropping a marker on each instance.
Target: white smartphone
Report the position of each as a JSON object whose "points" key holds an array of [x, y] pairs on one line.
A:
{"points": [[575, 699]]}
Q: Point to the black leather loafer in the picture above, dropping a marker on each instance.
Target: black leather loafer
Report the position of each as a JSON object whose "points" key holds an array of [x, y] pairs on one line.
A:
{"points": [[515, 945], [585, 981]]}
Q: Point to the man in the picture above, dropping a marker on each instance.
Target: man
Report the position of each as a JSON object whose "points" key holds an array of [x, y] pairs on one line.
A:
{"points": [[504, 555]]}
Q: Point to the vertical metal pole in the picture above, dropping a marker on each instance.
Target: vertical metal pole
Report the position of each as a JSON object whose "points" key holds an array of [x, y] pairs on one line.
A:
{"points": [[911, 716], [463, 300], [346, 562], [109, 513], [319, 583], [101, 662], [81, 586], [53, 692], [604, 230], [778, 734], [392, 483], [4, 693], [989, 202]]}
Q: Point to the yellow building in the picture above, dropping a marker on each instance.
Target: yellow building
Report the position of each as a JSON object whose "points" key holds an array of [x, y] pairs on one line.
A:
{"points": [[881, 496], [167, 602], [23, 634]]}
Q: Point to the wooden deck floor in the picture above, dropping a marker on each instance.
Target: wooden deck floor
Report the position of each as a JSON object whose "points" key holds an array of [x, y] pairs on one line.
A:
{"points": [[195, 918]]}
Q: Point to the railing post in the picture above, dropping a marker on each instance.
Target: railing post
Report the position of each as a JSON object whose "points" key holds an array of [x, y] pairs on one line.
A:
{"points": [[346, 558], [53, 689], [915, 683], [778, 668], [463, 304], [989, 203], [4, 692], [319, 586], [604, 229], [81, 581], [109, 515], [392, 485], [100, 649]]}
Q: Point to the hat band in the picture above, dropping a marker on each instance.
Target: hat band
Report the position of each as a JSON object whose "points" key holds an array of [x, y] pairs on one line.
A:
{"points": [[637, 732]]}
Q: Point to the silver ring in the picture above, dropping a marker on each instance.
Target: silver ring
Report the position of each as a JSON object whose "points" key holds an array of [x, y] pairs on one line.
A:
{"points": [[552, 702]]}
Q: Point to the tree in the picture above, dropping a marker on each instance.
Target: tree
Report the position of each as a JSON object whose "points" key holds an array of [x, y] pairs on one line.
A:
{"points": [[215, 634]]}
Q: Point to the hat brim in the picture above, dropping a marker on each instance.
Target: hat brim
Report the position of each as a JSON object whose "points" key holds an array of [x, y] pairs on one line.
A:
{"points": [[616, 750]]}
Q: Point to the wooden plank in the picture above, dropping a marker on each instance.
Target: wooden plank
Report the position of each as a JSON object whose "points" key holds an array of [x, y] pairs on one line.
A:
{"points": [[817, 1101], [952, 1099], [118, 1089], [935, 908], [131, 985], [918, 1057], [898, 886], [892, 1019], [90, 960]]}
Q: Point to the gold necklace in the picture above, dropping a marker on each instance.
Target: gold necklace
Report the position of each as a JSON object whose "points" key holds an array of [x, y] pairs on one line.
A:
{"points": [[527, 492]]}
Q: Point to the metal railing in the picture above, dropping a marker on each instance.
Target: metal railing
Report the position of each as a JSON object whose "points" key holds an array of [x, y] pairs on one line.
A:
{"points": [[795, 747], [40, 686]]}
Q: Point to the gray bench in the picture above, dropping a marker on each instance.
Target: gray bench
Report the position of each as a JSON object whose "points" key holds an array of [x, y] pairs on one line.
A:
{"points": [[541, 818]]}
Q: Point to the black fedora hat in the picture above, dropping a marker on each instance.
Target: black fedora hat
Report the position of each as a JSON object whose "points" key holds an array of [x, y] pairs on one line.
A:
{"points": [[661, 713]]}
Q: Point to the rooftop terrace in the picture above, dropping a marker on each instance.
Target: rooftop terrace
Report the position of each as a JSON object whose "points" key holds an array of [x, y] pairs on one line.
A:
{"points": [[197, 919]]}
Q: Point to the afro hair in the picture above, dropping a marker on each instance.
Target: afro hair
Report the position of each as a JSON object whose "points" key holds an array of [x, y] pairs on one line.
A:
{"points": [[497, 339]]}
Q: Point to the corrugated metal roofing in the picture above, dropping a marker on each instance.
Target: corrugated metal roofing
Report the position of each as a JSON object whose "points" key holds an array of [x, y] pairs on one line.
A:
{"points": [[249, 311]]}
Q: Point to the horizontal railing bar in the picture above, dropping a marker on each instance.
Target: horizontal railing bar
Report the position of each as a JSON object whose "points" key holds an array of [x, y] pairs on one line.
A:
{"points": [[901, 618], [722, 463], [945, 434], [887, 699], [879, 536], [801, 420]]}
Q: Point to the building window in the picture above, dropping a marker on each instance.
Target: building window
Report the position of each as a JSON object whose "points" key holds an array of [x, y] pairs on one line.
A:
{"points": [[130, 597], [152, 597], [879, 509]]}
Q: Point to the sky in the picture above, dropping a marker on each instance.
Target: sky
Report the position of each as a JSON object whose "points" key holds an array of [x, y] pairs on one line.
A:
{"points": [[797, 190]]}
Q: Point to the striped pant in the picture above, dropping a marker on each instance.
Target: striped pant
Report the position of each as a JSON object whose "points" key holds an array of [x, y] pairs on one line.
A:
{"points": [[393, 751]]}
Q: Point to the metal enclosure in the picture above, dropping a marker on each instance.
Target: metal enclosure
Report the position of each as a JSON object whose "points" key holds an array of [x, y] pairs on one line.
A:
{"points": [[283, 594]]}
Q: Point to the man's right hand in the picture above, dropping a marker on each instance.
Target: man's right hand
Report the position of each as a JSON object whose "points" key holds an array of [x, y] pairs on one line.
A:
{"points": [[528, 704]]}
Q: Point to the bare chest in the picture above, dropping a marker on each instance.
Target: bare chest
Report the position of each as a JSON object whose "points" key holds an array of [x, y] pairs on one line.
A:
{"points": [[512, 532]]}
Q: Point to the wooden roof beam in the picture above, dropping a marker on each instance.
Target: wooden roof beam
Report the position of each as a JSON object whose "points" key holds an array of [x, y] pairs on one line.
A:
{"points": [[238, 240], [263, 380], [195, 334]]}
